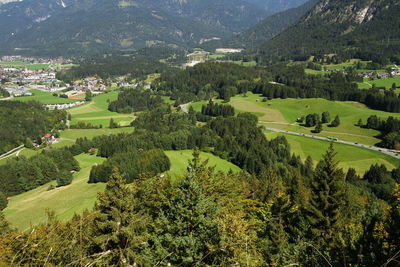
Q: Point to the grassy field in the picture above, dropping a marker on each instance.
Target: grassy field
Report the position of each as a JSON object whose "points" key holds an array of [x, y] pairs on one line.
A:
{"points": [[30, 207], [387, 83], [29, 66], [349, 156], [68, 137], [44, 98], [97, 113], [179, 162], [283, 113]]}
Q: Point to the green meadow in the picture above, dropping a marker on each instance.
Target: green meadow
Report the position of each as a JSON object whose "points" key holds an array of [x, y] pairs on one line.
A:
{"points": [[44, 98], [29, 66], [29, 208], [97, 113], [387, 83], [349, 156], [283, 113]]}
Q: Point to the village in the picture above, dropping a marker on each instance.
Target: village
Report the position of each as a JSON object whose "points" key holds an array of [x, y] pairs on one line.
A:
{"points": [[21, 76]]}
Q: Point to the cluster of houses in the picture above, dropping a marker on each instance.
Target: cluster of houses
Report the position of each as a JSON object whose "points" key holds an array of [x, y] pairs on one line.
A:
{"points": [[392, 71], [92, 84], [34, 60]]}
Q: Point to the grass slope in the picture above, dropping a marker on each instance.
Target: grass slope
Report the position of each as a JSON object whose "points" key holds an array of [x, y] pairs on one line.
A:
{"points": [[179, 162], [30, 207], [349, 156], [283, 113]]}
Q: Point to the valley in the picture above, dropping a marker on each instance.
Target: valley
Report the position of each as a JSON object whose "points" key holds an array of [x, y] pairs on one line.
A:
{"points": [[199, 133]]}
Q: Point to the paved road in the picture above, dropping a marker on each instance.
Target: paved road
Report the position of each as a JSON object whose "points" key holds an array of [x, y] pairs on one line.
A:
{"points": [[382, 150]]}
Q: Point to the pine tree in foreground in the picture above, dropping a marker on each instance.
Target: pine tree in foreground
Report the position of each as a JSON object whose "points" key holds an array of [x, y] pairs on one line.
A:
{"points": [[117, 229], [324, 212]]}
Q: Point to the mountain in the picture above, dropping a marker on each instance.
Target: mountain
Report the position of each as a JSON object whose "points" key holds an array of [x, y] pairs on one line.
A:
{"points": [[270, 27], [275, 6], [94, 25], [366, 28]]}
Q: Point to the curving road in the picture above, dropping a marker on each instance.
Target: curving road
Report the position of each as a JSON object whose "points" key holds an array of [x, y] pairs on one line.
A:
{"points": [[12, 152], [377, 149]]}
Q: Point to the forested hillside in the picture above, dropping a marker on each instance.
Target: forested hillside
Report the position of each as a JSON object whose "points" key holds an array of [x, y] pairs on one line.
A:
{"points": [[270, 27], [363, 29], [87, 27], [279, 211], [21, 121]]}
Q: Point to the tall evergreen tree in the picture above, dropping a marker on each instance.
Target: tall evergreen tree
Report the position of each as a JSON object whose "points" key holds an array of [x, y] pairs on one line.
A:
{"points": [[324, 211], [117, 230]]}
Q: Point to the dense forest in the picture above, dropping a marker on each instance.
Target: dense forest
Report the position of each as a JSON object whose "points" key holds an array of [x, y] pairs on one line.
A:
{"points": [[19, 121], [133, 100], [137, 64]]}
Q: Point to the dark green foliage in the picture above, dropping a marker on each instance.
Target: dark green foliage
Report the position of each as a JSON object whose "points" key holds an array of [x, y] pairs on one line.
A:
{"points": [[380, 181], [326, 117], [215, 110], [4, 93], [312, 120], [3, 201], [116, 227], [390, 130], [64, 178], [204, 81], [19, 121], [88, 95], [335, 122], [318, 128], [131, 165], [325, 210], [133, 100]]}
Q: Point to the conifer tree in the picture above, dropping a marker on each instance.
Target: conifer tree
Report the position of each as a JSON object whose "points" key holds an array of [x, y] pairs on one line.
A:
{"points": [[324, 211], [117, 230]]}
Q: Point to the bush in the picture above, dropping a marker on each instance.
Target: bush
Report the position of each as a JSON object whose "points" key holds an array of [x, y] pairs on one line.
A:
{"points": [[64, 178]]}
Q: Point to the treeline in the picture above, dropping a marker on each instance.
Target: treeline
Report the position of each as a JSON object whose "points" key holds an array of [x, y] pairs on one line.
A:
{"points": [[215, 110], [136, 65], [20, 175], [204, 81], [225, 80], [19, 121], [133, 100], [389, 128], [316, 217], [132, 165]]}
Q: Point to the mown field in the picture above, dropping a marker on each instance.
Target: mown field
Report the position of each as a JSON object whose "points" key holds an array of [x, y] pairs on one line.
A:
{"points": [[97, 113], [44, 98], [387, 83], [349, 156], [30, 207], [283, 113]]}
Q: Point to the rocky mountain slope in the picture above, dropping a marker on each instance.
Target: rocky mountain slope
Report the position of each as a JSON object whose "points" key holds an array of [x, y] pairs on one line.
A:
{"points": [[348, 26]]}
